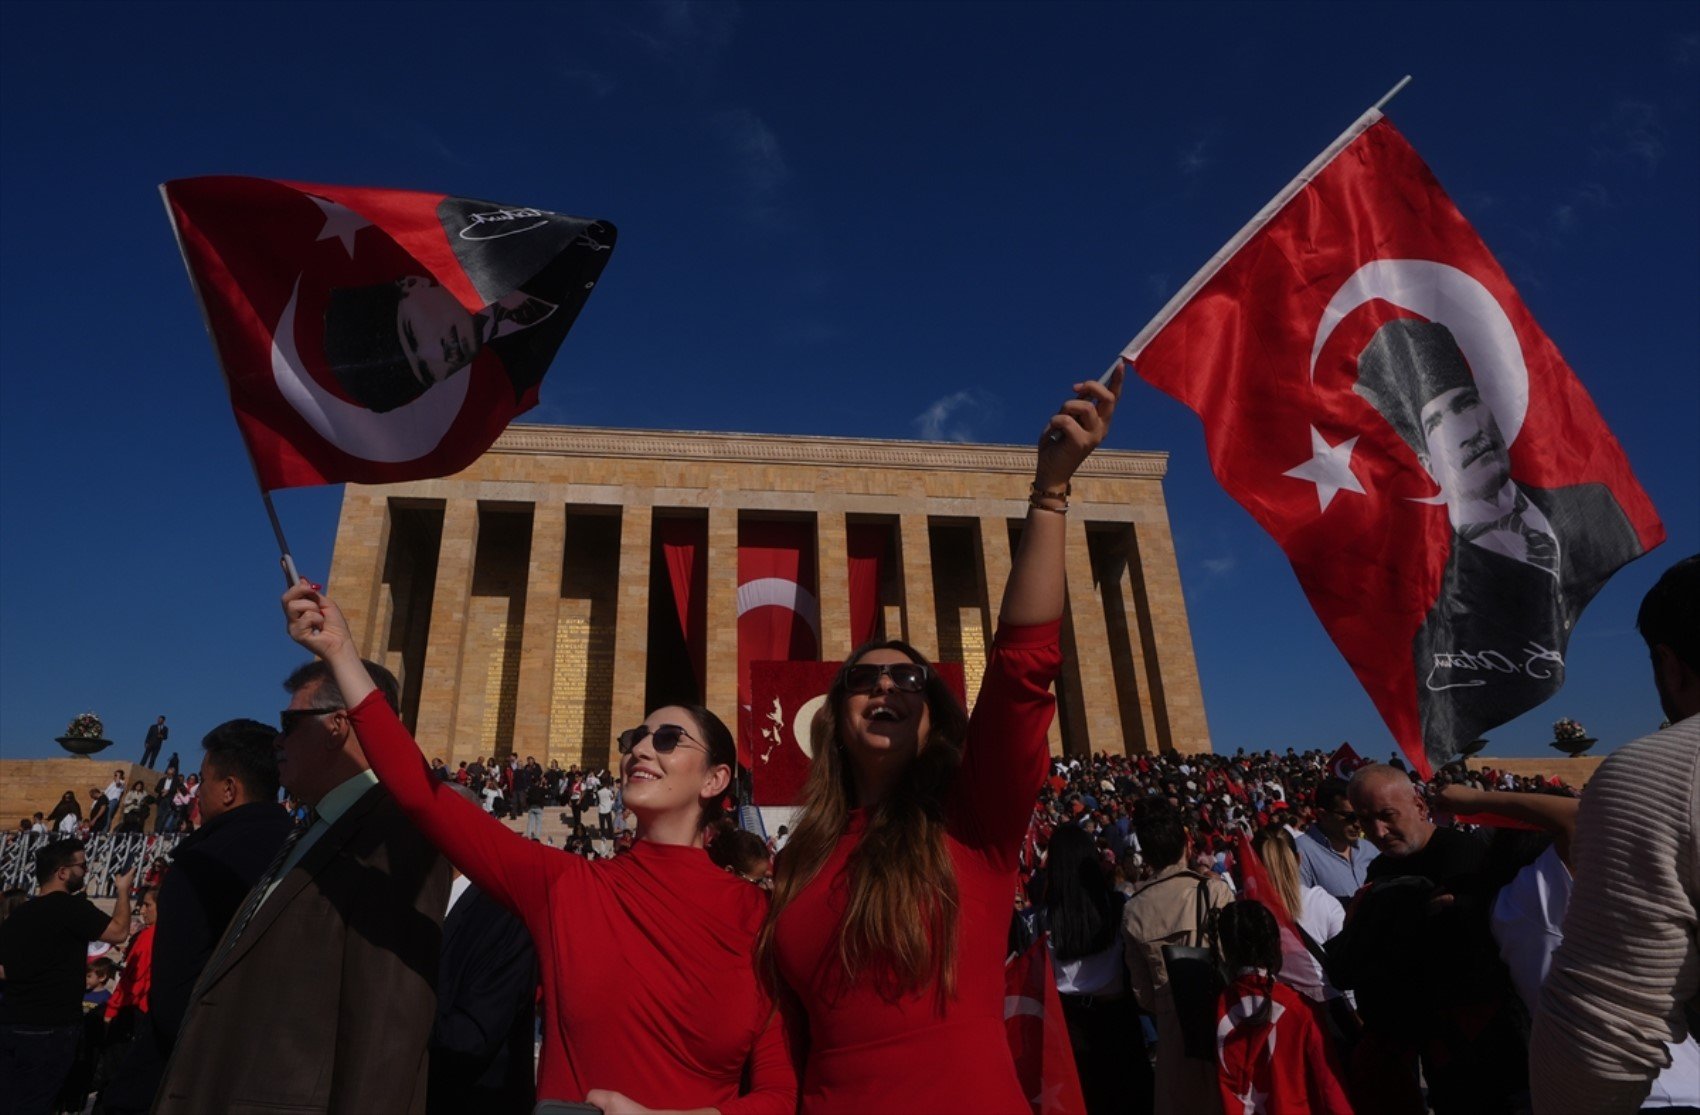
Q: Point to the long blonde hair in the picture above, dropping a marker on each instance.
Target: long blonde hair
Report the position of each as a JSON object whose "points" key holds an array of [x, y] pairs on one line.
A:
{"points": [[1274, 846], [900, 917]]}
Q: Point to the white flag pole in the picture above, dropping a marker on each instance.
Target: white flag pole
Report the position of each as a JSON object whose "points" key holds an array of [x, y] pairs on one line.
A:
{"points": [[290, 575], [1253, 226]]}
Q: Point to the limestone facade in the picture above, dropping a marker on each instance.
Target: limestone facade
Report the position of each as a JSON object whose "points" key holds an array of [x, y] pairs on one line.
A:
{"points": [[516, 603]]}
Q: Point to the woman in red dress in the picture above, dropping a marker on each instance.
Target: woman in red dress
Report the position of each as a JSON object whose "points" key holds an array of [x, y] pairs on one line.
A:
{"points": [[891, 905], [650, 996]]}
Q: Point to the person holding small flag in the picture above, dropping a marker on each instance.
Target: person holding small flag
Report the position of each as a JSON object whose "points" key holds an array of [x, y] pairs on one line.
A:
{"points": [[681, 1021]]}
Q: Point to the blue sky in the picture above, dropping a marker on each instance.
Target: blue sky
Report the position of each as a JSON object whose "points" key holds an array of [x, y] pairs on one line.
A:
{"points": [[883, 220]]}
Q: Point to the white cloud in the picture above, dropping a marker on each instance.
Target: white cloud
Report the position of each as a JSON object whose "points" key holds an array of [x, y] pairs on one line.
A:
{"points": [[1219, 566], [957, 417], [1632, 132], [598, 84], [1196, 156], [759, 170]]}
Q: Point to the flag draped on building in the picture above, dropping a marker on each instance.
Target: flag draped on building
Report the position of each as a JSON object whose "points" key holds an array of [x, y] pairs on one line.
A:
{"points": [[378, 335], [1376, 394]]}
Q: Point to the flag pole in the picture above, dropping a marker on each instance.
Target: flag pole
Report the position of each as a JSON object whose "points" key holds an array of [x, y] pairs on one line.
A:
{"points": [[291, 576], [1216, 262]]}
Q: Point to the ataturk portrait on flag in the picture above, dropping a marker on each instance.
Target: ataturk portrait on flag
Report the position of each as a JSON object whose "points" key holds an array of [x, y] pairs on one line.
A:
{"points": [[1377, 395], [1524, 560], [379, 335]]}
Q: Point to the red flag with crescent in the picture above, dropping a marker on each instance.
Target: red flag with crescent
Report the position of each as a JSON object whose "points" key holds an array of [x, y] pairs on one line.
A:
{"points": [[374, 335], [1377, 395], [1038, 1034], [1344, 761]]}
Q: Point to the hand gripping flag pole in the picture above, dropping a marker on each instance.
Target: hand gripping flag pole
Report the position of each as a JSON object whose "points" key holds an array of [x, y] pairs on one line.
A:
{"points": [[290, 575]]}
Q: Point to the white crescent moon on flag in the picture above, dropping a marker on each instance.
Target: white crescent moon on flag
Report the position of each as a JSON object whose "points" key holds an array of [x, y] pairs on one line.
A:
{"points": [[1455, 299], [1237, 1013], [404, 434], [778, 592], [1015, 1005], [803, 721]]}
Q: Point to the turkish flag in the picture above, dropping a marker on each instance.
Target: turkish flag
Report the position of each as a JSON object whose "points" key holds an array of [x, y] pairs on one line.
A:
{"points": [[378, 335], [778, 613], [1038, 1034], [1344, 761], [1376, 394]]}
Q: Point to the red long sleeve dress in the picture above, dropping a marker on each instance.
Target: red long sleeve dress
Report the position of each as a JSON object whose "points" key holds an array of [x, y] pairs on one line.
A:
{"points": [[870, 1051], [649, 986]]}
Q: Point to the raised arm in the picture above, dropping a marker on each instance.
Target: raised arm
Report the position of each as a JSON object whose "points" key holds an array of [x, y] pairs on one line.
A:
{"points": [[511, 869], [1547, 812], [1006, 757]]}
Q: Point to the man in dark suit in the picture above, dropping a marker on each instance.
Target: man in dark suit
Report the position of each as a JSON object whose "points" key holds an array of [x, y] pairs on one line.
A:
{"points": [[1524, 561], [158, 733], [320, 995], [482, 1042], [211, 872]]}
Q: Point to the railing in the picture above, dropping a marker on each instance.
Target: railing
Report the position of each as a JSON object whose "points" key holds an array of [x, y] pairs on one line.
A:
{"points": [[109, 854]]}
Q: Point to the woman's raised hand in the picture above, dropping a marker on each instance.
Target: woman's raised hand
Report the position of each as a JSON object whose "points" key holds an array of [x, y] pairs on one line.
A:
{"points": [[1077, 429], [315, 621]]}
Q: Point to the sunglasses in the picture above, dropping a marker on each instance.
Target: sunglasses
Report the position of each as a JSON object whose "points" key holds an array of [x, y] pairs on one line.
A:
{"points": [[292, 718], [664, 739], [864, 677]]}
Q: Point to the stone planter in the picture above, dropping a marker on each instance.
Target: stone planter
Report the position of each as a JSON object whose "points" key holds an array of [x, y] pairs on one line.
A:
{"points": [[83, 745]]}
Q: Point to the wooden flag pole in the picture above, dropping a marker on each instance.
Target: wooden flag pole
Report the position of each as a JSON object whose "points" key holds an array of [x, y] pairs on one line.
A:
{"points": [[1253, 226], [291, 576]]}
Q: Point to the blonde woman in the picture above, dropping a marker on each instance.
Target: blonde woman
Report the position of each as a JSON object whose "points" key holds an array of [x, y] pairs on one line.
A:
{"points": [[1314, 910]]}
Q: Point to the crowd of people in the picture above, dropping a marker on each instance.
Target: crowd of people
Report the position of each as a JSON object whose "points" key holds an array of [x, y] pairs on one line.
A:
{"points": [[1227, 934]]}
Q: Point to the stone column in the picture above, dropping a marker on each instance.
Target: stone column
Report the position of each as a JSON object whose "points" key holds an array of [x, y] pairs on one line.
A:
{"points": [[832, 566], [994, 563], [722, 615], [631, 620], [356, 579], [542, 615], [439, 690], [1092, 646], [1180, 696], [1144, 658], [920, 619]]}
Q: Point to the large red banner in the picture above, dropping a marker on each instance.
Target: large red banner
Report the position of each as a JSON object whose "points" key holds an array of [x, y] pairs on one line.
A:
{"points": [[1377, 395]]}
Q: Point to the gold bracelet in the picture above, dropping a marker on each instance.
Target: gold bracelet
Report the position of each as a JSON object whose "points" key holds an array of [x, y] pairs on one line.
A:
{"points": [[1033, 502]]}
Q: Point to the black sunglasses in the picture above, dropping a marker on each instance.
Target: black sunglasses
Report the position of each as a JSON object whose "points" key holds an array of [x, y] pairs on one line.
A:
{"points": [[291, 718], [864, 677], [664, 739]]}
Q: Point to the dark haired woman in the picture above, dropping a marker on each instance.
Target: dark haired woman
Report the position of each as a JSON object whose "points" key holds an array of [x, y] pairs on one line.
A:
{"points": [[1083, 917], [893, 896], [1269, 1042], [650, 998]]}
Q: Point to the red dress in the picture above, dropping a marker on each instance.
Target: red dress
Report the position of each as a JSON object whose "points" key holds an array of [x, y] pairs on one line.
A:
{"points": [[136, 983], [649, 985], [870, 1052]]}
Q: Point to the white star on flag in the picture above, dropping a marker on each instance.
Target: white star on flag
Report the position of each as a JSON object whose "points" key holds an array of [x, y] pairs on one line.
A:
{"points": [[340, 222], [1329, 468], [1253, 1101]]}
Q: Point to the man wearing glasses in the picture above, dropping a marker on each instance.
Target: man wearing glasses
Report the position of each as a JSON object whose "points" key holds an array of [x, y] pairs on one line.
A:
{"points": [[331, 963], [1332, 853], [43, 951]]}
